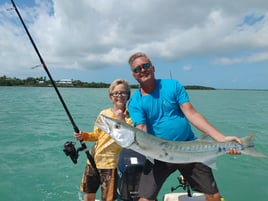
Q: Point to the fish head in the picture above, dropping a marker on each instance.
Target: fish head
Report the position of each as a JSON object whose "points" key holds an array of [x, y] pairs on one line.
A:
{"points": [[122, 133]]}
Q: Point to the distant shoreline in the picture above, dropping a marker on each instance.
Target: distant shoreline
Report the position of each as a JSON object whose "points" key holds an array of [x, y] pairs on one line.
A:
{"points": [[43, 82]]}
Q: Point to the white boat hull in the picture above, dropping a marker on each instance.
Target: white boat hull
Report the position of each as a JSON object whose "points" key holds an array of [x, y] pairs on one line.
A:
{"points": [[184, 197]]}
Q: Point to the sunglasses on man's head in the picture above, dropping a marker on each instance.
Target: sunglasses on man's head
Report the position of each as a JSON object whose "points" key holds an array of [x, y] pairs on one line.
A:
{"points": [[144, 66]]}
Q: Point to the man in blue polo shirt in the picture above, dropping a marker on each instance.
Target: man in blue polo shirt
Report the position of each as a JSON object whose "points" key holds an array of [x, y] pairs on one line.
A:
{"points": [[162, 108]]}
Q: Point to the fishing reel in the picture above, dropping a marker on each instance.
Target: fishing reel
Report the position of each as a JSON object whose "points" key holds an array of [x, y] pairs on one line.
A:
{"points": [[70, 150], [184, 184]]}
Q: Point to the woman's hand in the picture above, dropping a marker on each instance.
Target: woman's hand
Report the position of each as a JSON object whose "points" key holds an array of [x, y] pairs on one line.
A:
{"points": [[120, 114], [79, 136]]}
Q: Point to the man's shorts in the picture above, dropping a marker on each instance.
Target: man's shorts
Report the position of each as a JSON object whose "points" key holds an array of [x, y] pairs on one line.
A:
{"points": [[108, 182], [198, 175]]}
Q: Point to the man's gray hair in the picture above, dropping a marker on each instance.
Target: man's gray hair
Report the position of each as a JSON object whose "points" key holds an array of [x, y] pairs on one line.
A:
{"points": [[137, 55]]}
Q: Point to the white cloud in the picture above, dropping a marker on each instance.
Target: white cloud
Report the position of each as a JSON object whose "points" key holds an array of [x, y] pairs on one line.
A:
{"points": [[257, 57], [92, 34]]}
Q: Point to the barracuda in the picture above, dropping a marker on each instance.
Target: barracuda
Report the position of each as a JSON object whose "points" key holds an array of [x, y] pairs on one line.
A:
{"points": [[202, 150]]}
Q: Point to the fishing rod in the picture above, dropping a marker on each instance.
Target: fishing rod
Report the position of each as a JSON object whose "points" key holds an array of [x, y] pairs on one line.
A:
{"points": [[69, 146]]}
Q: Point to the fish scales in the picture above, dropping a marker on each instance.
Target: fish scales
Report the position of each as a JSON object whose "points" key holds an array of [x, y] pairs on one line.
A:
{"points": [[204, 151]]}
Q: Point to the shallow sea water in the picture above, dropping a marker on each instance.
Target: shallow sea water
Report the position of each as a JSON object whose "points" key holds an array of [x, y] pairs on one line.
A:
{"points": [[34, 127]]}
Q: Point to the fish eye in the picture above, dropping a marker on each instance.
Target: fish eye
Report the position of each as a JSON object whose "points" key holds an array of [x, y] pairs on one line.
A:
{"points": [[117, 126]]}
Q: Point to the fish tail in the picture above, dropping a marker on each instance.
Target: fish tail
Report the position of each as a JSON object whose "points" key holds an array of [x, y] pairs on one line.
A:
{"points": [[247, 143]]}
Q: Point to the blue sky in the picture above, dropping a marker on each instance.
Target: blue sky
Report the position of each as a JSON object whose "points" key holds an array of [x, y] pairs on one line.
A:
{"points": [[221, 44]]}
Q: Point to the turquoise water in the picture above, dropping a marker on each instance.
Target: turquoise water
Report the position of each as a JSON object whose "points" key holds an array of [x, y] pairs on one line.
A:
{"points": [[34, 127]]}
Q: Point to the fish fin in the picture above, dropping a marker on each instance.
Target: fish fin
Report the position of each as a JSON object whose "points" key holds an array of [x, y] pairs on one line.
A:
{"points": [[247, 142], [150, 159], [205, 137], [211, 163]]}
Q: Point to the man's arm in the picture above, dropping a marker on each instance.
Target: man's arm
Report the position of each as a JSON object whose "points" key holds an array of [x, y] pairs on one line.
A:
{"points": [[142, 127], [201, 123]]}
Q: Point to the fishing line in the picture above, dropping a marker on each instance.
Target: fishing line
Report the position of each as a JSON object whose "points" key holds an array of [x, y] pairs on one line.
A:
{"points": [[69, 146]]}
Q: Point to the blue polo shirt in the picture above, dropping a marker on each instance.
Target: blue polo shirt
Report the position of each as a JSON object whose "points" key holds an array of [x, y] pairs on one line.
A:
{"points": [[160, 111]]}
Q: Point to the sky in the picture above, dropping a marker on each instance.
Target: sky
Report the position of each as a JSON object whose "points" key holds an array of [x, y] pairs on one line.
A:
{"points": [[216, 43]]}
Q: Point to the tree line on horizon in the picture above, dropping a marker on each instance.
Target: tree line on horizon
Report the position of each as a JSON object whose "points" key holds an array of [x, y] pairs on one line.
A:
{"points": [[43, 82]]}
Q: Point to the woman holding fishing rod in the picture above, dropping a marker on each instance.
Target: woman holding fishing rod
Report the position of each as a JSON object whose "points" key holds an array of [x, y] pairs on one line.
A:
{"points": [[105, 151]]}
